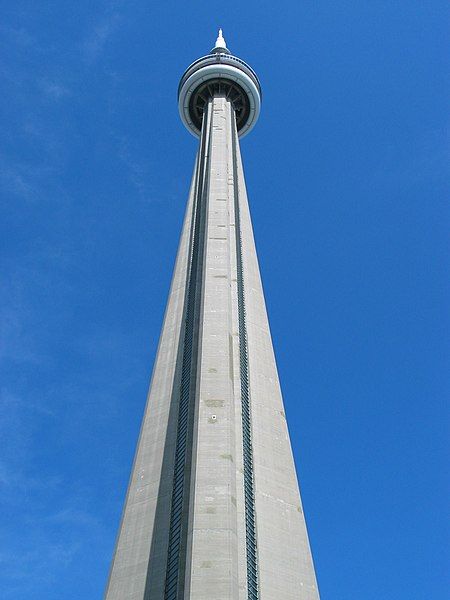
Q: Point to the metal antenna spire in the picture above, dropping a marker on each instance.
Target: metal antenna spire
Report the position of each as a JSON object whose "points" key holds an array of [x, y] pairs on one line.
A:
{"points": [[220, 46], [220, 42]]}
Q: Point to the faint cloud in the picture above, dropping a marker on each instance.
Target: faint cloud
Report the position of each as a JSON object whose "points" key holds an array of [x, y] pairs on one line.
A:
{"points": [[5, 475], [18, 486], [30, 282], [73, 516], [17, 35], [19, 418], [16, 435], [53, 89], [29, 181], [15, 179], [98, 37], [24, 566], [138, 172]]}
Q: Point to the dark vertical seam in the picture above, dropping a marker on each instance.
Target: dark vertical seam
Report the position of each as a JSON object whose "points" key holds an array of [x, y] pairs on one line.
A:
{"points": [[181, 479], [249, 493]]}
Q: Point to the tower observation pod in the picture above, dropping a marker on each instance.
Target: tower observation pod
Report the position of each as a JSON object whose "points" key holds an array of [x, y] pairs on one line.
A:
{"points": [[219, 73], [213, 508]]}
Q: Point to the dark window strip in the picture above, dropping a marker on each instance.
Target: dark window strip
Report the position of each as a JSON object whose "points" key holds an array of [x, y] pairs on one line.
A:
{"points": [[251, 548], [187, 390]]}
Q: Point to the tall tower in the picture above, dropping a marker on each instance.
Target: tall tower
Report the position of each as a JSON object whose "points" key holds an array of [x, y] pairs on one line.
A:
{"points": [[213, 510]]}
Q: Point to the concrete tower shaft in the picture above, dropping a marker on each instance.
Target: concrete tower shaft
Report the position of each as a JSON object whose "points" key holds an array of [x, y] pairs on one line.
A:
{"points": [[213, 510]]}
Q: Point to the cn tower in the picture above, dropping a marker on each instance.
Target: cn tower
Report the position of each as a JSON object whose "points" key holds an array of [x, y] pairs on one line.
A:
{"points": [[213, 509]]}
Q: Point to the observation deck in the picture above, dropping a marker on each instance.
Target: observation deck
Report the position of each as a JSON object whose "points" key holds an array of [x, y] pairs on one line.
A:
{"points": [[219, 73]]}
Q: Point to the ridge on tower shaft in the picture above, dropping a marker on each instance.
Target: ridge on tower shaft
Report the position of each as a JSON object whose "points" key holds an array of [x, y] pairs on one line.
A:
{"points": [[213, 509]]}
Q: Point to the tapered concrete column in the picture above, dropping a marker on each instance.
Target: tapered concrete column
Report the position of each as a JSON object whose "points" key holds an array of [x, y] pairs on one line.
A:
{"points": [[213, 509]]}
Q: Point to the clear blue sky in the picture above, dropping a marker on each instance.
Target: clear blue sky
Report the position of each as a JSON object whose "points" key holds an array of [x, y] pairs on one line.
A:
{"points": [[347, 177]]}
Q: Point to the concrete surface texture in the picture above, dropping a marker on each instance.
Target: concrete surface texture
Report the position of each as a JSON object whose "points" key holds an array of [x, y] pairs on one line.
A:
{"points": [[213, 510]]}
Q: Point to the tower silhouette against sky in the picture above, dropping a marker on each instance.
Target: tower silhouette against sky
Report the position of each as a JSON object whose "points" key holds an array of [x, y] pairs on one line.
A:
{"points": [[213, 510]]}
